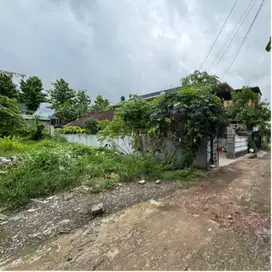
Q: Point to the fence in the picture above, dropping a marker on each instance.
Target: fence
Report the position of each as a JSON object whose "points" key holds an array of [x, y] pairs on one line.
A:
{"points": [[124, 145]]}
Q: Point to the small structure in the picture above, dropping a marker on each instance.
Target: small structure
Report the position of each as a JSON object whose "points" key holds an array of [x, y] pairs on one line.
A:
{"points": [[32, 119]]}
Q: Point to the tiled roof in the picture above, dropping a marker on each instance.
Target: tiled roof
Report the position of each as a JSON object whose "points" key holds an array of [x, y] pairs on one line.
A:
{"points": [[104, 115]]}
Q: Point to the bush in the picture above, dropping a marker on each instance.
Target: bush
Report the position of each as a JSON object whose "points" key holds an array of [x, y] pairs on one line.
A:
{"points": [[91, 125], [50, 166], [39, 133], [9, 143], [71, 130]]}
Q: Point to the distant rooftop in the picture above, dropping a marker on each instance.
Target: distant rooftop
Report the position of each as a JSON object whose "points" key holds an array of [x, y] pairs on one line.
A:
{"points": [[104, 115]]}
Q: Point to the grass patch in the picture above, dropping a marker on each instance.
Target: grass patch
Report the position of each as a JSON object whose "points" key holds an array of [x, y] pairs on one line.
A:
{"points": [[186, 174], [52, 165]]}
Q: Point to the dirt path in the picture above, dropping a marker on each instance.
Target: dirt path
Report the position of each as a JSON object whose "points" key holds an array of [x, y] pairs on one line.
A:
{"points": [[221, 223]]}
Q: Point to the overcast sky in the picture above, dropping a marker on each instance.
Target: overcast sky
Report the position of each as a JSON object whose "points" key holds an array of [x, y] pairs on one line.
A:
{"points": [[118, 47]]}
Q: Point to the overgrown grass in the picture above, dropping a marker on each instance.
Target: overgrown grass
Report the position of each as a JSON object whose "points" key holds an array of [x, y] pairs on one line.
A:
{"points": [[52, 165], [10, 144]]}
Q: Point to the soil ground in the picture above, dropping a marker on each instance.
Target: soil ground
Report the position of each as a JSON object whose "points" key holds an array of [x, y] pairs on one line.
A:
{"points": [[220, 223]]}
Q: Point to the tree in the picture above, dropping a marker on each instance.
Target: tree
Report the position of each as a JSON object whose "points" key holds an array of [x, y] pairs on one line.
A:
{"points": [[62, 98], [82, 102], [10, 120], [31, 93], [66, 112], [61, 94], [200, 80], [100, 104], [7, 87], [184, 118], [247, 109], [68, 104]]}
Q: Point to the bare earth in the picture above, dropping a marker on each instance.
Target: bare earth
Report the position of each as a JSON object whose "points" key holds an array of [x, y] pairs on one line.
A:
{"points": [[220, 223]]}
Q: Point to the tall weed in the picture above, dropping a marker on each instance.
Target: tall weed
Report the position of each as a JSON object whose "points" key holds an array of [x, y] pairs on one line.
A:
{"points": [[11, 143]]}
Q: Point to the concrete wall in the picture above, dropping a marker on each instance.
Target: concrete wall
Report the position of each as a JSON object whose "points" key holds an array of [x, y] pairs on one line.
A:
{"points": [[240, 145], [125, 145], [236, 145], [122, 145], [202, 156]]}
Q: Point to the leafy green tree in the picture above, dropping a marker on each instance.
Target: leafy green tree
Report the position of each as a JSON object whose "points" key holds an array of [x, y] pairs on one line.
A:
{"points": [[249, 110], [83, 103], [31, 93], [68, 104], [10, 120], [184, 117], [100, 104], [61, 93], [7, 87], [91, 125], [66, 112], [200, 80]]}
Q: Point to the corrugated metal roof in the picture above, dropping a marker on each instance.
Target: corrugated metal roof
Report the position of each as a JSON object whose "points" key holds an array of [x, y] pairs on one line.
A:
{"points": [[104, 115]]}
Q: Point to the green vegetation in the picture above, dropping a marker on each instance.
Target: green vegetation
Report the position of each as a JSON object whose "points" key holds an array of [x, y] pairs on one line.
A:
{"points": [[53, 165], [91, 125], [182, 118], [68, 103], [31, 93], [200, 80], [10, 144], [100, 104], [7, 87], [71, 130], [10, 120], [249, 110]]}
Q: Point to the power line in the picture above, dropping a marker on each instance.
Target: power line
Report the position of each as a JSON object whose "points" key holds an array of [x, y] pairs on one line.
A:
{"points": [[243, 41], [227, 44], [218, 34]]}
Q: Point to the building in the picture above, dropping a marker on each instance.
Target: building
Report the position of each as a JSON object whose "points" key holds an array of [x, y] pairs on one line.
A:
{"points": [[104, 115], [32, 119]]}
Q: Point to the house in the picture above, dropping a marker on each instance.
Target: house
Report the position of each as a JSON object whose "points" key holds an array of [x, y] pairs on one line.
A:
{"points": [[43, 115], [226, 96], [223, 92], [104, 115], [32, 120]]}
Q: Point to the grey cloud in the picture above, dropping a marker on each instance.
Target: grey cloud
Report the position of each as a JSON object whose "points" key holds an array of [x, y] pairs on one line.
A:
{"points": [[119, 47]]}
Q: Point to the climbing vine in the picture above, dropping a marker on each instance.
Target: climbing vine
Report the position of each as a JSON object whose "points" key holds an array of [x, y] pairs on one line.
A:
{"points": [[180, 120]]}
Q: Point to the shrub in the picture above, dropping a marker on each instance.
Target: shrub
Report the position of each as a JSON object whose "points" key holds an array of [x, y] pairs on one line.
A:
{"points": [[39, 133], [71, 130], [91, 125], [50, 166], [11, 143]]}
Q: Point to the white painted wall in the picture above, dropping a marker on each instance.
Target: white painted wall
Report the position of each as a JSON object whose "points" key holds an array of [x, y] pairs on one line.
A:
{"points": [[123, 145], [240, 143]]}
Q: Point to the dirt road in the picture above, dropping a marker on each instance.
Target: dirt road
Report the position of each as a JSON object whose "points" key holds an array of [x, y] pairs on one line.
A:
{"points": [[222, 223]]}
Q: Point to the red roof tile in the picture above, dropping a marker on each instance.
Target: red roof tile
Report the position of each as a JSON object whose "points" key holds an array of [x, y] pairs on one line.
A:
{"points": [[105, 115]]}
